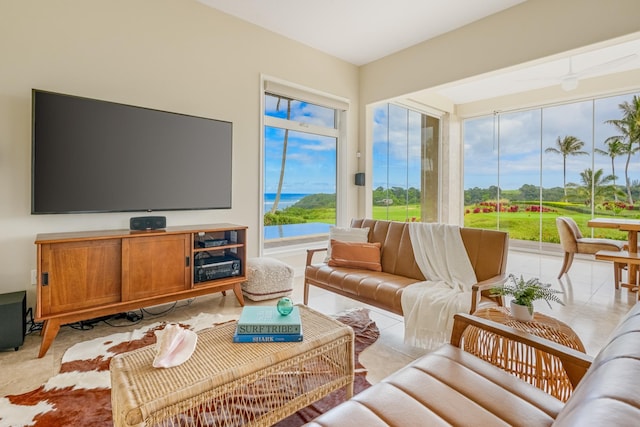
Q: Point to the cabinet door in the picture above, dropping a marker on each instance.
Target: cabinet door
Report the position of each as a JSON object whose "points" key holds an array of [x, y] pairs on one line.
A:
{"points": [[155, 265], [79, 275]]}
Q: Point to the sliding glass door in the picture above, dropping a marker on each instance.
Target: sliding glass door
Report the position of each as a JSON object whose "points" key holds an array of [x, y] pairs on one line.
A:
{"points": [[525, 168], [405, 164]]}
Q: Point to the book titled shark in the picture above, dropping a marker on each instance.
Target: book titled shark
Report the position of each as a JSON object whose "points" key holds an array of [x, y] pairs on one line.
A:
{"points": [[258, 338]]}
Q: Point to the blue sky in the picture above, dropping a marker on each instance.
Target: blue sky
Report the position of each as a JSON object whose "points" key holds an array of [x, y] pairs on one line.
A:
{"points": [[311, 159], [396, 163], [518, 139]]}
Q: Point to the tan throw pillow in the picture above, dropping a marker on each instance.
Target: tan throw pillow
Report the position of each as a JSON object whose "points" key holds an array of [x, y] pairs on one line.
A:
{"points": [[346, 234], [355, 255]]}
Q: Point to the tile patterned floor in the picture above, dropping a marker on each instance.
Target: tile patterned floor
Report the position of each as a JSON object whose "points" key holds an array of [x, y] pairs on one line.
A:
{"points": [[592, 308]]}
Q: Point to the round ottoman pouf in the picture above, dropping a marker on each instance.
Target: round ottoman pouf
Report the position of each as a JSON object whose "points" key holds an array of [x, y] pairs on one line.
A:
{"points": [[267, 278]]}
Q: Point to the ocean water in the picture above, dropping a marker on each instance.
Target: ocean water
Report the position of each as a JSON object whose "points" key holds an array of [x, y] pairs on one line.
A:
{"points": [[286, 200]]}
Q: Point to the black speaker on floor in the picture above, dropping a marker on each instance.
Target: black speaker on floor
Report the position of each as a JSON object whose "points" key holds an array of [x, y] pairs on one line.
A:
{"points": [[140, 223], [13, 313]]}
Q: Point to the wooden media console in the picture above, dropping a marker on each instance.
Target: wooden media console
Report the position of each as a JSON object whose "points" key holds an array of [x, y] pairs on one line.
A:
{"points": [[89, 274]]}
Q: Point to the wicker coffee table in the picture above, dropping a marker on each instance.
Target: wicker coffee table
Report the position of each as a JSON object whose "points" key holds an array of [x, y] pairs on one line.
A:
{"points": [[229, 384], [536, 367]]}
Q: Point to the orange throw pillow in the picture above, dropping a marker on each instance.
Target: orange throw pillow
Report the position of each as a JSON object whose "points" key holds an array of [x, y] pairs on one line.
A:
{"points": [[355, 255]]}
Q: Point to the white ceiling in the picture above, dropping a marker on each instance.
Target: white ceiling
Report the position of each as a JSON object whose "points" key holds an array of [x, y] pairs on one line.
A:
{"points": [[361, 31]]}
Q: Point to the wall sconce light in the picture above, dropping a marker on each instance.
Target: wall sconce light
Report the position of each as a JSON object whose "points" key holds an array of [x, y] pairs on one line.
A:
{"points": [[360, 178]]}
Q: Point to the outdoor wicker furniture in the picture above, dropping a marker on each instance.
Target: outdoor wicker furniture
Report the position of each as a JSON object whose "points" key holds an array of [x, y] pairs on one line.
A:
{"points": [[229, 384]]}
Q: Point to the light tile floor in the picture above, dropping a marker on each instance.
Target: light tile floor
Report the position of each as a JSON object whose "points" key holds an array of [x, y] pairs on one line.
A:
{"points": [[593, 308]]}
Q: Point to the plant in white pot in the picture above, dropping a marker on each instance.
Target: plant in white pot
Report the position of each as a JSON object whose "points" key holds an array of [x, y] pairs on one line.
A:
{"points": [[524, 293]]}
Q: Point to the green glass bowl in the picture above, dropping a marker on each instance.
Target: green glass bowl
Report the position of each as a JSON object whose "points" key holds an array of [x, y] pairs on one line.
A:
{"points": [[285, 306]]}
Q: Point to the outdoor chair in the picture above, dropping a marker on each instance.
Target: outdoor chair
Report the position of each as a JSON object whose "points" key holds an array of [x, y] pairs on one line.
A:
{"points": [[573, 243]]}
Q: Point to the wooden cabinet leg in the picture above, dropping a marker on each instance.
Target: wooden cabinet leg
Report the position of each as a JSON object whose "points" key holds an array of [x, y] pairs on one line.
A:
{"points": [[49, 331], [237, 289]]}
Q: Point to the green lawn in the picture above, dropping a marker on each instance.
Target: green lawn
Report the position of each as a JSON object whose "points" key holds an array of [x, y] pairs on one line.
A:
{"points": [[526, 225], [396, 213], [521, 225]]}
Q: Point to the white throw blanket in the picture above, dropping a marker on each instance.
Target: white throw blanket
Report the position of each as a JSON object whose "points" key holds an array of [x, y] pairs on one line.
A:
{"points": [[429, 306]]}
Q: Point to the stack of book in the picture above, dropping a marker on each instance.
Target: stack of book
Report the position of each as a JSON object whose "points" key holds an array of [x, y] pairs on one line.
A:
{"points": [[266, 324]]}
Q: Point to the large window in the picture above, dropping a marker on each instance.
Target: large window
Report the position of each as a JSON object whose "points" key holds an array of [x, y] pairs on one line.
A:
{"points": [[300, 173], [525, 168], [405, 164]]}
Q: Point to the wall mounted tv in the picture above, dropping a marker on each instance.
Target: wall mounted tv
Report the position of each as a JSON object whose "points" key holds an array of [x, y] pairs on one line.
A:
{"points": [[90, 155]]}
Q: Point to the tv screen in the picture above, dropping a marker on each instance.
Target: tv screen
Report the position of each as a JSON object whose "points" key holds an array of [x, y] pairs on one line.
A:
{"points": [[90, 155]]}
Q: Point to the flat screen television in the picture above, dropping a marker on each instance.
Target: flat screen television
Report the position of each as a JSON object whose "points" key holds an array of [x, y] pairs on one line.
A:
{"points": [[90, 155]]}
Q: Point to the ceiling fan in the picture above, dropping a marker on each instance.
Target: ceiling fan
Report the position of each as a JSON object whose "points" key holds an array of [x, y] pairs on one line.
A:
{"points": [[569, 81]]}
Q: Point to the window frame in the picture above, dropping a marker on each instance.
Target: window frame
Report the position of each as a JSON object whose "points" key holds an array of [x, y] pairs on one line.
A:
{"points": [[275, 86], [423, 110]]}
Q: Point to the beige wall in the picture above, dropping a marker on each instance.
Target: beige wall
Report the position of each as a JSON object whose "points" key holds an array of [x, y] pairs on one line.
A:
{"points": [[173, 55]]}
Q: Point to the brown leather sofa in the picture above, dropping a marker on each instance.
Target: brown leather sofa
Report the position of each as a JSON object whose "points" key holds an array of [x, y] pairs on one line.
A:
{"points": [[452, 387], [487, 250]]}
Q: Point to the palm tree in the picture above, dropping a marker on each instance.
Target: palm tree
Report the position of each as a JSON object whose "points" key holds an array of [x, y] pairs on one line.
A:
{"points": [[629, 128], [284, 154], [567, 146], [615, 148], [594, 186]]}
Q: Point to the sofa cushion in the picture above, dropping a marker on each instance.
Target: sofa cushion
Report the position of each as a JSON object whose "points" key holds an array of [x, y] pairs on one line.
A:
{"points": [[487, 251], [346, 234], [396, 254], [355, 255], [371, 287], [446, 387]]}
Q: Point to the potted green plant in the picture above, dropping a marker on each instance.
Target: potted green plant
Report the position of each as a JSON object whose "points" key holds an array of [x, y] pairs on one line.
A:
{"points": [[524, 293]]}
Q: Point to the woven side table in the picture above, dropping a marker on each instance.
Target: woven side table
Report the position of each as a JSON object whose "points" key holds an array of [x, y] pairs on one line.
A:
{"points": [[536, 367], [230, 384]]}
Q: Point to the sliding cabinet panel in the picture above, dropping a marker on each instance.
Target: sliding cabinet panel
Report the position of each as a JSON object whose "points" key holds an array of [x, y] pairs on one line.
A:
{"points": [[155, 265], [79, 275]]}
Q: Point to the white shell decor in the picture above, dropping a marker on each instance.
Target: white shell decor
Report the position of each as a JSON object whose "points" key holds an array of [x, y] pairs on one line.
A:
{"points": [[174, 346]]}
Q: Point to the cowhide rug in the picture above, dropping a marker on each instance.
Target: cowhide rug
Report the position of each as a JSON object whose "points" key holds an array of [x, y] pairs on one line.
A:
{"points": [[80, 395]]}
